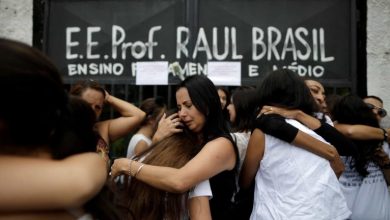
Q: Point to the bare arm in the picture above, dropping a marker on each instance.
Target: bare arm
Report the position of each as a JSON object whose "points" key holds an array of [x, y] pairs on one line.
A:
{"points": [[361, 132], [131, 118], [37, 215], [45, 184], [309, 121], [199, 208], [140, 147], [276, 126], [216, 156], [321, 149], [254, 154]]}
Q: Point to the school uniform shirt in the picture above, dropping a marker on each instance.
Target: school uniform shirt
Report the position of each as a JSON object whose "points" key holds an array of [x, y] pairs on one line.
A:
{"points": [[368, 197], [295, 184], [241, 139], [134, 141]]}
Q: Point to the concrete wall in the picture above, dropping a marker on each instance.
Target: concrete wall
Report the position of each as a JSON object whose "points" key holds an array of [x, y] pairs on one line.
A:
{"points": [[16, 23], [16, 20], [378, 50]]}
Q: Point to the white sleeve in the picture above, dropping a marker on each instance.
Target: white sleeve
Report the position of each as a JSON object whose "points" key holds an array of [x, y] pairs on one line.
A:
{"points": [[386, 147], [202, 189]]}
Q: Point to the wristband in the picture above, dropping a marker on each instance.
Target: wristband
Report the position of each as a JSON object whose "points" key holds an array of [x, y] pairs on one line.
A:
{"points": [[385, 135]]}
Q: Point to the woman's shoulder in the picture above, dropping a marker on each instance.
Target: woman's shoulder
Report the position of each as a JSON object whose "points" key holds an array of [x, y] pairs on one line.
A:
{"points": [[221, 145], [139, 136], [221, 140]]}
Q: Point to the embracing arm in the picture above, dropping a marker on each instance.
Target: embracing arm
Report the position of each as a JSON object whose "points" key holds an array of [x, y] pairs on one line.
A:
{"points": [[254, 154], [131, 118], [45, 184], [343, 145], [362, 132], [37, 215], [276, 126], [216, 156]]}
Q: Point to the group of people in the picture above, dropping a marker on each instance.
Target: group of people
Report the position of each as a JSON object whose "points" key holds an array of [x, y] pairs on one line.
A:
{"points": [[279, 150]]}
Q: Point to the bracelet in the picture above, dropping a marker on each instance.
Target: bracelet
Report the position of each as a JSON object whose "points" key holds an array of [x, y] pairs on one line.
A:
{"points": [[385, 135], [130, 174], [139, 169]]}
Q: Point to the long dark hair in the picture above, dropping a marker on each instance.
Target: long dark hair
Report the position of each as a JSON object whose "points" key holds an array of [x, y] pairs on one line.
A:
{"points": [[245, 108], [204, 96], [32, 98], [351, 109], [284, 88], [146, 202], [225, 111], [76, 132]]}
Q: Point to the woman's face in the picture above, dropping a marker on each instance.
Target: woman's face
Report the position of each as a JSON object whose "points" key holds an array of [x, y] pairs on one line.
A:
{"points": [[95, 100], [188, 113], [318, 93], [222, 98], [232, 112], [376, 107]]}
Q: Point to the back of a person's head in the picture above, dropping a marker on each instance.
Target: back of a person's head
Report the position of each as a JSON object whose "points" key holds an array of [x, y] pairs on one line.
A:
{"points": [[32, 97], [153, 107], [284, 88], [331, 101], [245, 107], [76, 133], [351, 109], [173, 151], [204, 97], [78, 88]]}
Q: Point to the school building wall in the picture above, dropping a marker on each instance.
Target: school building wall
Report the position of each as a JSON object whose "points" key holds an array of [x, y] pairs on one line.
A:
{"points": [[16, 23]]}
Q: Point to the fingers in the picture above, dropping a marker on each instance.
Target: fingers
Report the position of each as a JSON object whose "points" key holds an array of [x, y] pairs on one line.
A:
{"points": [[174, 115], [116, 167], [162, 118], [267, 110]]}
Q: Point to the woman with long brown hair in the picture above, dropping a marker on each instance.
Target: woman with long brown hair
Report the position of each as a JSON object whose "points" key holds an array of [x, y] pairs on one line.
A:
{"points": [[146, 202]]}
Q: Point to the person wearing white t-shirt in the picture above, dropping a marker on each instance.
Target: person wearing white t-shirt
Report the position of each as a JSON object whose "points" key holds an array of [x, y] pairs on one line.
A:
{"points": [[290, 182], [363, 182], [142, 139]]}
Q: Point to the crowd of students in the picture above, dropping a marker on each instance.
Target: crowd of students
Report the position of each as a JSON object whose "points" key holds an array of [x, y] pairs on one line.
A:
{"points": [[280, 150]]}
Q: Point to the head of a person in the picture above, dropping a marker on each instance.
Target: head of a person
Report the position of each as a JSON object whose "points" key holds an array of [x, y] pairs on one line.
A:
{"points": [[224, 96], [331, 101], [173, 151], [199, 107], [76, 133], [32, 98], [351, 109], [376, 105], [92, 92], [242, 108], [284, 88], [154, 109], [318, 93]]}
